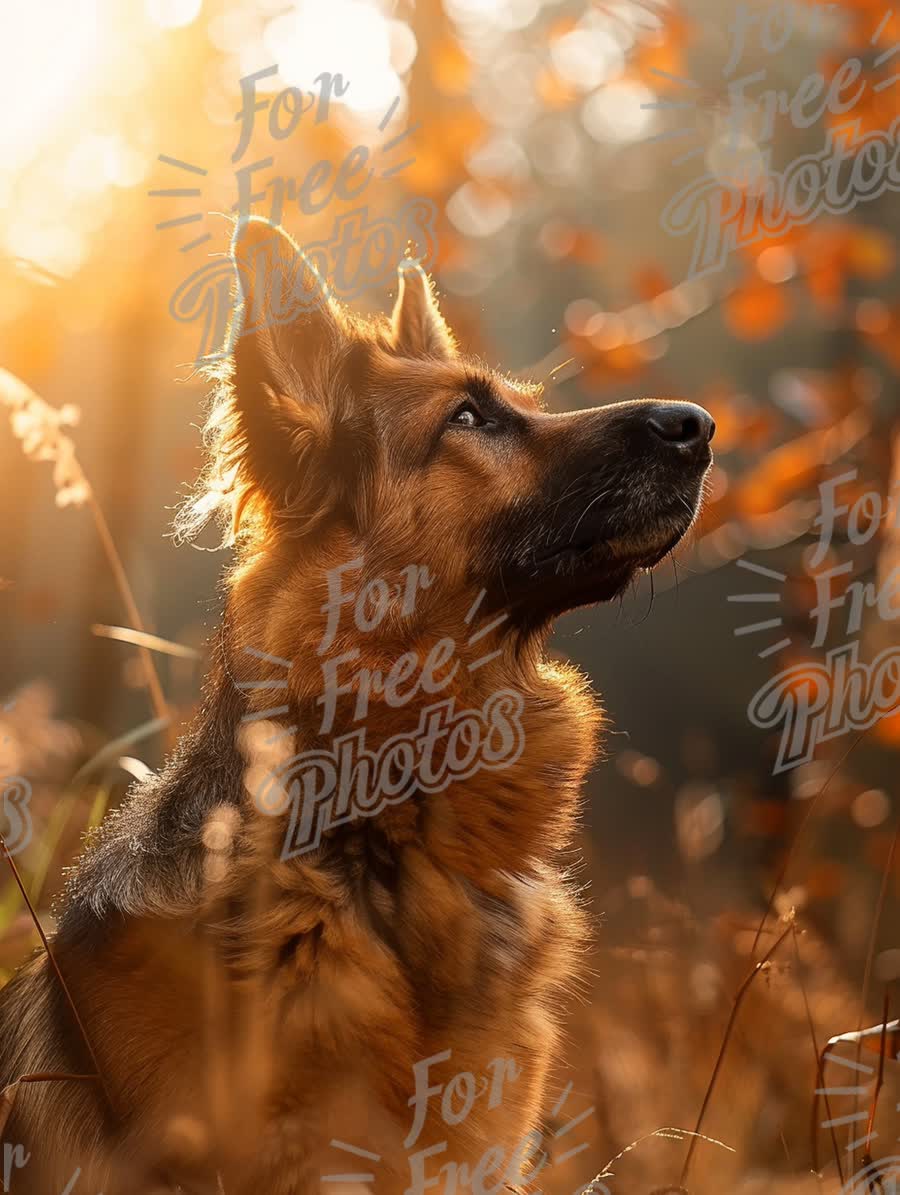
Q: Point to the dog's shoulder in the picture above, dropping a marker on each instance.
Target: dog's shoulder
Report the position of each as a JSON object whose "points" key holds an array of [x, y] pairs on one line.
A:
{"points": [[146, 859]]}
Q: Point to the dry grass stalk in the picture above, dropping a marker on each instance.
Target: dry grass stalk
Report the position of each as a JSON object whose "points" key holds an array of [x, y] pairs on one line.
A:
{"points": [[59, 977], [870, 953], [40, 429], [729, 1028]]}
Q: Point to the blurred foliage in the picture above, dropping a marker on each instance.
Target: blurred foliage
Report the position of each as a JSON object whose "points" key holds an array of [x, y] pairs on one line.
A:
{"points": [[540, 131]]}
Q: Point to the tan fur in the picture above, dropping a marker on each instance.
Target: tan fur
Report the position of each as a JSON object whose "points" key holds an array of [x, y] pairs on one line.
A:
{"points": [[246, 1009]]}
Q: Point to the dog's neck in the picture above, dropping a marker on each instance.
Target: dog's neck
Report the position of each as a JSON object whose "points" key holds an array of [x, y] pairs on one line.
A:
{"points": [[514, 819], [505, 801]]}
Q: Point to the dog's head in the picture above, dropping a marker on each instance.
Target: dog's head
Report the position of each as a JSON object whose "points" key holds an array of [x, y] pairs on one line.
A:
{"points": [[337, 438]]}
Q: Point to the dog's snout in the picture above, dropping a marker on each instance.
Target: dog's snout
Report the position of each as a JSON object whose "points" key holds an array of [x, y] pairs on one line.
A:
{"points": [[684, 425]]}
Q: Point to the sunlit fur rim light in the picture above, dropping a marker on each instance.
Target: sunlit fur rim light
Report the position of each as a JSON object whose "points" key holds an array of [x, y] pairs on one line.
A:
{"points": [[227, 489]]}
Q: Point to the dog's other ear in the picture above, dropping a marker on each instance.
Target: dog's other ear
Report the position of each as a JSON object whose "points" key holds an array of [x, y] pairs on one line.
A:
{"points": [[285, 341], [418, 326]]}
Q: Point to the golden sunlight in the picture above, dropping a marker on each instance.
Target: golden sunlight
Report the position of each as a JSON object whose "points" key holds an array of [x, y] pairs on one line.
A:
{"points": [[45, 62]]}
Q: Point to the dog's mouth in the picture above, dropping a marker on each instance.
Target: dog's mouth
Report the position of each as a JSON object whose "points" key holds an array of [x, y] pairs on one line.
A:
{"points": [[597, 570], [622, 487], [621, 541], [598, 562], [590, 553]]}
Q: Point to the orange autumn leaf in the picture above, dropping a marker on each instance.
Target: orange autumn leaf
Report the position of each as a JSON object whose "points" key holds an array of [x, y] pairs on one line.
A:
{"points": [[728, 425], [831, 252], [741, 425], [731, 412], [786, 470], [756, 310]]}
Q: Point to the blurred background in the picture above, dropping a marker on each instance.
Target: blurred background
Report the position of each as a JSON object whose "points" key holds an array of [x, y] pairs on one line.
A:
{"points": [[548, 139]]}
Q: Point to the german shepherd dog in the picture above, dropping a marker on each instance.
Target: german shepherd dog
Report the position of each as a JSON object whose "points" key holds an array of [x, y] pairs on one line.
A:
{"points": [[260, 957]]}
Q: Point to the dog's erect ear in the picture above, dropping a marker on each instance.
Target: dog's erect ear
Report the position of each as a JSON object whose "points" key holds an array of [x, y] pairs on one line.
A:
{"points": [[286, 339], [285, 319], [418, 326]]}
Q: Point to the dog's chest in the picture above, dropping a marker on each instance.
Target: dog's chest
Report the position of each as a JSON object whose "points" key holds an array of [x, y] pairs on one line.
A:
{"points": [[447, 1020]]}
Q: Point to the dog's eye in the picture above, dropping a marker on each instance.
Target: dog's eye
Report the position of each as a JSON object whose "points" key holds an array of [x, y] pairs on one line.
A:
{"points": [[467, 415]]}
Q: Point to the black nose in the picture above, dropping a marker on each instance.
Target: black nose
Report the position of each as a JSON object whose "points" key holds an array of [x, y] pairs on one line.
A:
{"points": [[684, 425]]}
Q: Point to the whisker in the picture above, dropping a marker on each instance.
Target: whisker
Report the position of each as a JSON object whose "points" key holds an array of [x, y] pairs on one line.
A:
{"points": [[593, 502]]}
